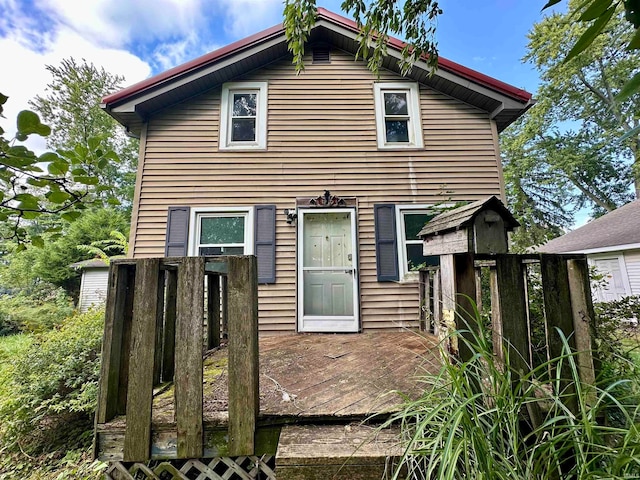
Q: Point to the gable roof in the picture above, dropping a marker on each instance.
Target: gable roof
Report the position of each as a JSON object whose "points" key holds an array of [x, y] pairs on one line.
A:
{"points": [[620, 228], [132, 105], [464, 216]]}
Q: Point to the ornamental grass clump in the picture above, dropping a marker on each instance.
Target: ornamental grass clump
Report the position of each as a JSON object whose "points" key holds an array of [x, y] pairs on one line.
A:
{"points": [[480, 419]]}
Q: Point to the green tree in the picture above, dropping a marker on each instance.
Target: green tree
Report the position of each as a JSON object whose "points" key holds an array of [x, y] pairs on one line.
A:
{"points": [[71, 106], [48, 187], [579, 147]]}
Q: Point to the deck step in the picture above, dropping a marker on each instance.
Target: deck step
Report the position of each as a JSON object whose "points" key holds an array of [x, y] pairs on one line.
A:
{"points": [[354, 452]]}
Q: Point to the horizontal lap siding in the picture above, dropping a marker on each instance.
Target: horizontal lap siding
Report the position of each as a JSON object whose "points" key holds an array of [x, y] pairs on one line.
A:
{"points": [[321, 135], [632, 262]]}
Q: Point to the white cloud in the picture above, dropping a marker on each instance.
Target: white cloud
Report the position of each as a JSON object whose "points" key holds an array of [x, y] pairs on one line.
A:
{"points": [[24, 74], [247, 17], [117, 23]]}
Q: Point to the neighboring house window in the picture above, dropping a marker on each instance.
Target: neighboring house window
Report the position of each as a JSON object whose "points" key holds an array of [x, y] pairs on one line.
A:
{"points": [[409, 221], [226, 231], [243, 116], [398, 115]]}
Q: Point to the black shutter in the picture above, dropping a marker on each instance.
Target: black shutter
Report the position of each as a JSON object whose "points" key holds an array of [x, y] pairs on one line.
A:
{"points": [[265, 246], [386, 243], [177, 237]]}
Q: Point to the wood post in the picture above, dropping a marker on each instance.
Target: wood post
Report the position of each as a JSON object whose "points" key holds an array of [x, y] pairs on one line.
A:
{"points": [[213, 311], [423, 298], [583, 318], [157, 363], [169, 342], [559, 318], [188, 357], [137, 439], [112, 344], [244, 399], [509, 312]]}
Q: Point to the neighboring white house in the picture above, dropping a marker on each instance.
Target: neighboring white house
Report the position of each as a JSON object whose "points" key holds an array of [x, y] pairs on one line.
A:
{"points": [[93, 287], [612, 245]]}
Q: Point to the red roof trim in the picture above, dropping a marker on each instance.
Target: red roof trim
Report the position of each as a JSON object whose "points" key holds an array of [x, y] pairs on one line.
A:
{"points": [[447, 65]]}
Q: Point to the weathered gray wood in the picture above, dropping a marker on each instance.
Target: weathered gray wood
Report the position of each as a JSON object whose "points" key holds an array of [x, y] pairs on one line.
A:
{"points": [[489, 233], [447, 244], [437, 302], [583, 318], [107, 407], [559, 317], [509, 313], [188, 357], [224, 310], [447, 323], [169, 337], [244, 399], [157, 363], [478, 299], [137, 439], [423, 298], [213, 311], [465, 285], [127, 316]]}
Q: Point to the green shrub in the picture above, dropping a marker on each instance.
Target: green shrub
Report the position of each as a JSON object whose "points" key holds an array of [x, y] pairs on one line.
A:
{"points": [[53, 388], [471, 423], [34, 312]]}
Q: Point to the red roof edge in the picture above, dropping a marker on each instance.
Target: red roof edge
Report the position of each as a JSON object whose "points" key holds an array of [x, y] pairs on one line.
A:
{"points": [[447, 65]]}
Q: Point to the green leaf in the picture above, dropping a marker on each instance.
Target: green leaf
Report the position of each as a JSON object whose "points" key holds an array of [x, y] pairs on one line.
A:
{"points": [[629, 88], [28, 122], [70, 216], [634, 44], [30, 215], [78, 171], [631, 133], [594, 10], [58, 197], [590, 34], [550, 3], [48, 157], [20, 248], [3, 99], [37, 242], [85, 180], [94, 142], [57, 168], [113, 201]]}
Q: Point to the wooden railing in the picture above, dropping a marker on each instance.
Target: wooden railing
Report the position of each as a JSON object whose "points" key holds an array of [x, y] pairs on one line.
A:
{"points": [[155, 332], [447, 294]]}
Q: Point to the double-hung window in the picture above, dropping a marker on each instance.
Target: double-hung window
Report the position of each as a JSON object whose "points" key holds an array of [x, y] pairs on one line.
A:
{"points": [[398, 115], [409, 220], [222, 232], [243, 116]]}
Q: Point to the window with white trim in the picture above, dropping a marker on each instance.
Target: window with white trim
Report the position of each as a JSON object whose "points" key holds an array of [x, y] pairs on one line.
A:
{"points": [[398, 115], [243, 116], [222, 232], [410, 220]]}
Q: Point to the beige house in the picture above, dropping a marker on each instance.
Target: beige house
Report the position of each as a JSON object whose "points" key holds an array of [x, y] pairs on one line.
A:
{"points": [[326, 176]]}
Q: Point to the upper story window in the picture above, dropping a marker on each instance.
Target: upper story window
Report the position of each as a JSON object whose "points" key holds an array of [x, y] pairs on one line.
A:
{"points": [[222, 231], [398, 115], [243, 116]]}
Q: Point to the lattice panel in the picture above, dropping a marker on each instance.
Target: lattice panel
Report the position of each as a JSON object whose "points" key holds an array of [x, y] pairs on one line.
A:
{"points": [[219, 468]]}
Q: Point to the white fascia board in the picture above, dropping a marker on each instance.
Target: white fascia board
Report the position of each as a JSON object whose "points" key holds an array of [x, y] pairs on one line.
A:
{"points": [[612, 248]]}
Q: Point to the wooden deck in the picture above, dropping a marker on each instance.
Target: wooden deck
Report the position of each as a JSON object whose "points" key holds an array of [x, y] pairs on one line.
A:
{"points": [[304, 379]]}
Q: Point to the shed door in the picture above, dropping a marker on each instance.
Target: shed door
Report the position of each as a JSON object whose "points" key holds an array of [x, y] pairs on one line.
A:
{"points": [[614, 286], [327, 276]]}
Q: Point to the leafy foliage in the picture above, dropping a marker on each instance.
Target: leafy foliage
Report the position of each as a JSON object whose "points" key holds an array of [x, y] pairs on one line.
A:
{"points": [[28, 192], [37, 312], [576, 149], [469, 423], [54, 387], [116, 245], [413, 20], [71, 107]]}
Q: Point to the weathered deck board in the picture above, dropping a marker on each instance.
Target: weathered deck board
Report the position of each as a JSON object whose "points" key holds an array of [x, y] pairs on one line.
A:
{"points": [[337, 377]]}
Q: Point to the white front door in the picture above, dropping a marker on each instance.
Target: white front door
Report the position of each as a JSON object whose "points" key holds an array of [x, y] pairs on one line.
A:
{"points": [[327, 274]]}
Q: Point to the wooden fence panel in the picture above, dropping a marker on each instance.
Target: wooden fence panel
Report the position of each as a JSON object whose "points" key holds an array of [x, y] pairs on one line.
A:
{"points": [[244, 399], [137, 440], [157, 363], [213, 311], [188, 357]]}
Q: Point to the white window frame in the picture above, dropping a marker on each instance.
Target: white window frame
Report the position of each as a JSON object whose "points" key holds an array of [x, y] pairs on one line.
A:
{"points": [[228, 90], [413, 106], [407, 275], [198, 213]]}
